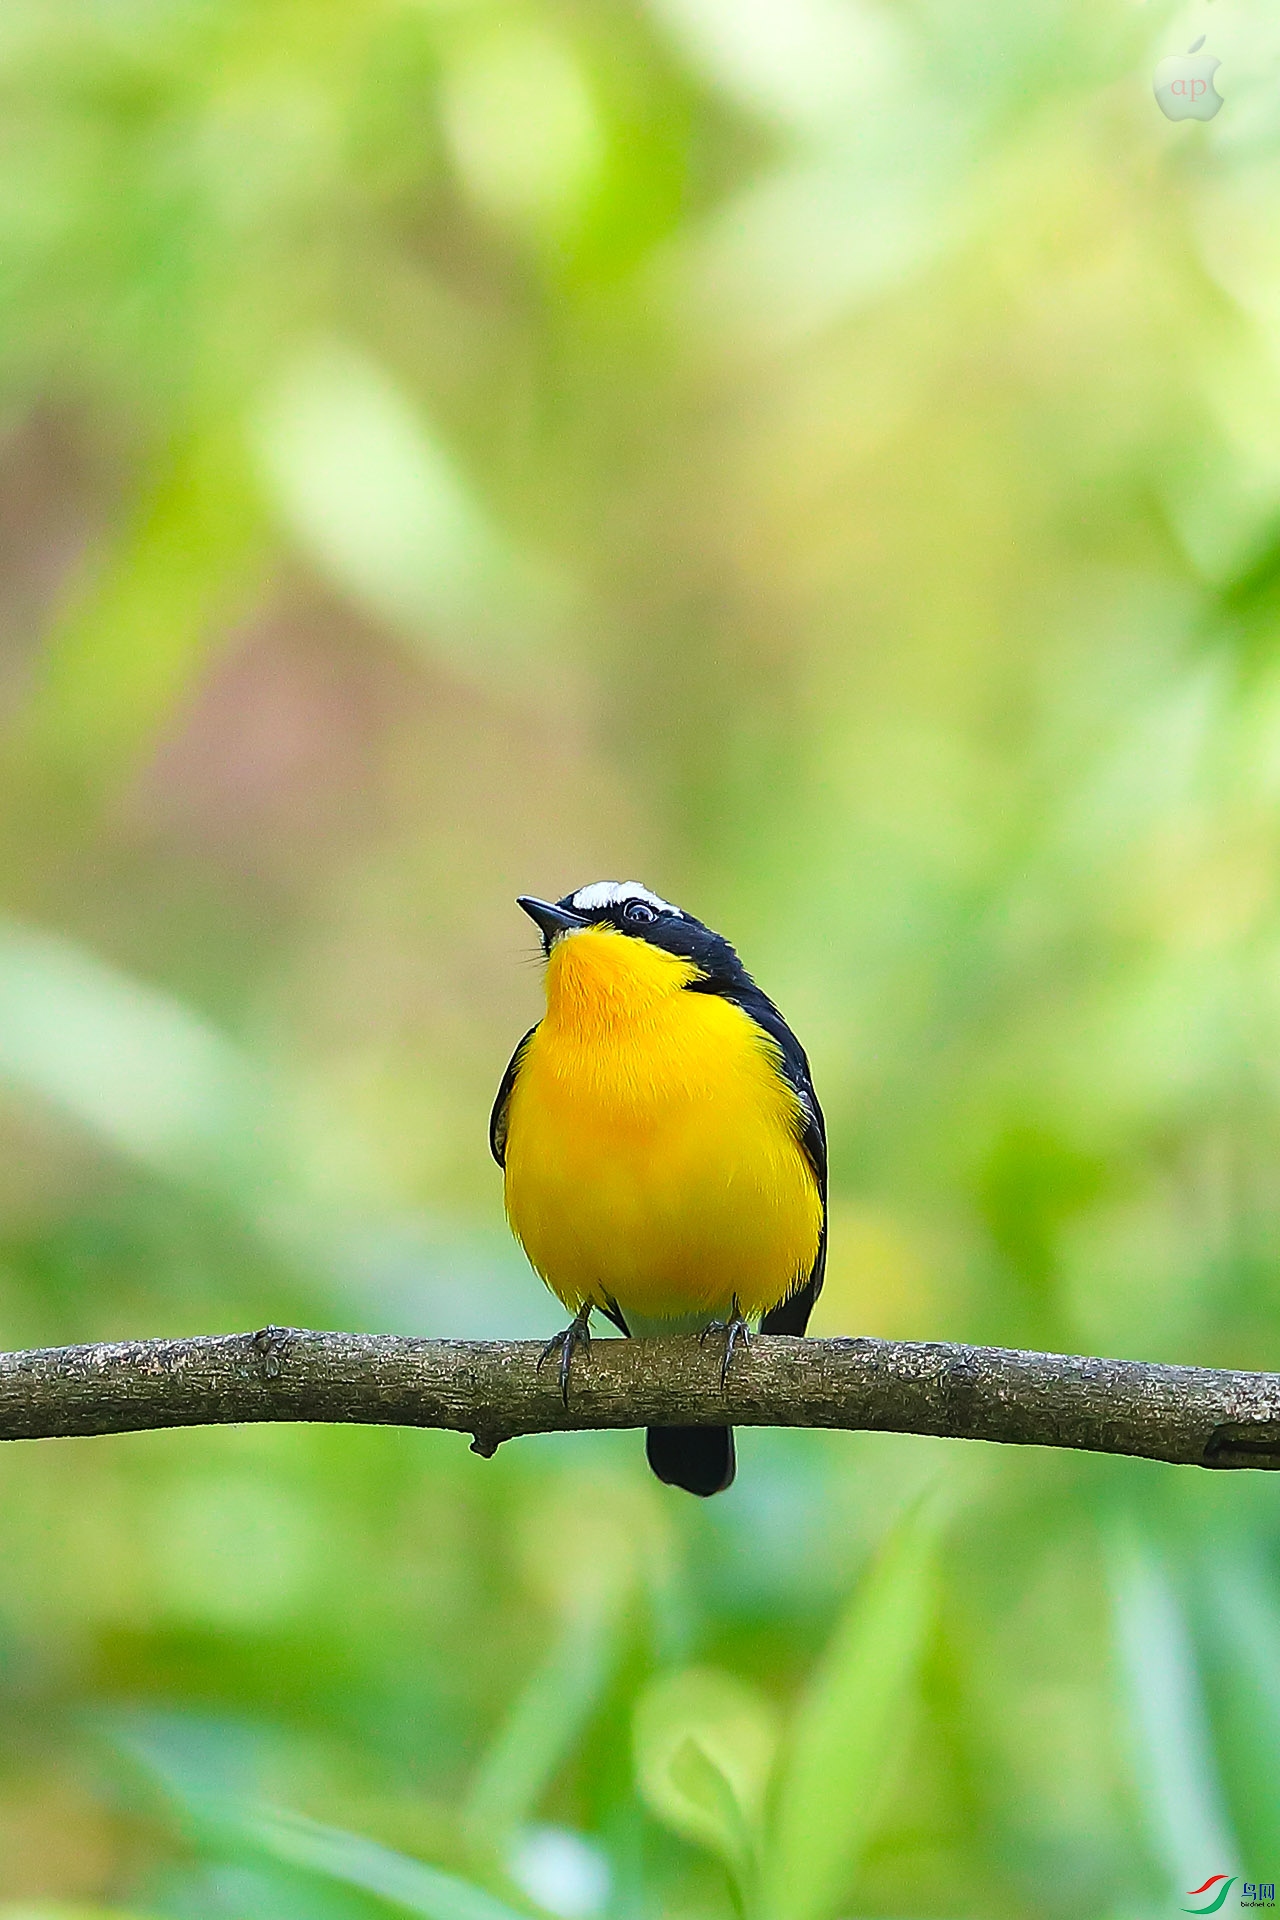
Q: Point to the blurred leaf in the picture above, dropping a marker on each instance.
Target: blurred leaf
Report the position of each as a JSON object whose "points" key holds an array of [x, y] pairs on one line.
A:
{"points": [[357, 1862], [1243, 1619], [246, 1882], [804, 64], [561, 1870], [545, 1720], [847, 1731], [523, 126], [1174, 1765], [144, 1073], [1031, 1184], [704, 1743], [207, 1768], [1252, 596], [212, 1772], [61, 1910], [130, 644], [380, 506], [582, 1545]]}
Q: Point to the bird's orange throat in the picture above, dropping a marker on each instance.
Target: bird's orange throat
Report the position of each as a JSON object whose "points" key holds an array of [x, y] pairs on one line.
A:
{"points": [[598, 980]]}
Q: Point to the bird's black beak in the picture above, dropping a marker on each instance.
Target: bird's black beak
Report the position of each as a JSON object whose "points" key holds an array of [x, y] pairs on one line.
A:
{"points": [[551, 920]]}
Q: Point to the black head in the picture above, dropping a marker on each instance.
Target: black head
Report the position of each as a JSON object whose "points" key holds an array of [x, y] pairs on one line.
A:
{"points": [[627, 907]]}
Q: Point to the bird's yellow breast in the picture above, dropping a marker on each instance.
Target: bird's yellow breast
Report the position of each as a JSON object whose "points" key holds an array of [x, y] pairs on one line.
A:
{"points": [[653, 1153]]}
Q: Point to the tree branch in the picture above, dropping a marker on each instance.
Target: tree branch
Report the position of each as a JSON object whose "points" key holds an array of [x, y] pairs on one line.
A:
{"points": [[495, 1390]]}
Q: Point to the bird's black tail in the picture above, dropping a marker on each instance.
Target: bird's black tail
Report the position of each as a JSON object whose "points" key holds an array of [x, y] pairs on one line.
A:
{"points": [[699, 1459]]}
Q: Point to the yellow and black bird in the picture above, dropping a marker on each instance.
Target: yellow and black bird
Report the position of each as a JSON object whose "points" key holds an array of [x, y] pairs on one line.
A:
{"points": [[664, 1151]]}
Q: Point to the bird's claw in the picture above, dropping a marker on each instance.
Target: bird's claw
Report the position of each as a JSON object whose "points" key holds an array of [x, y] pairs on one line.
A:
{"points": [[576, 1334], [736, 1334]]}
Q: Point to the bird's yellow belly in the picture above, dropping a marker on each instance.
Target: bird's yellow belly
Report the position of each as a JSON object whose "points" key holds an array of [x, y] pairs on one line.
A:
{"points": [[661, 1169]]}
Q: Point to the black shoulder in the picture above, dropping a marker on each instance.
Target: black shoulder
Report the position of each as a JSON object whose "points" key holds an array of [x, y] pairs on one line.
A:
{"points": [[498, 1118], [792, 1315]]}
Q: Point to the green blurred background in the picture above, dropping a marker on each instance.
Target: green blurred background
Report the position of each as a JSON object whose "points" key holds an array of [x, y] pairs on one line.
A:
{"points": [[822, 459]]}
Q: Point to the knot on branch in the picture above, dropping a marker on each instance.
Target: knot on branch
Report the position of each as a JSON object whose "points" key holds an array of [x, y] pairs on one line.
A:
{"points": [[1243, 1443], [271, 1350]]}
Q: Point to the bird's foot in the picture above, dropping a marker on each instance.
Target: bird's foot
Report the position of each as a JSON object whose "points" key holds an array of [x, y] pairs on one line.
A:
{"points": [[576, 1334], [736, 1334]]}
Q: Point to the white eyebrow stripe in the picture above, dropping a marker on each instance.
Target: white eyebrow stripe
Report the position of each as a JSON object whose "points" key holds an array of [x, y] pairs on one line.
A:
{"points": [[611, 893]]}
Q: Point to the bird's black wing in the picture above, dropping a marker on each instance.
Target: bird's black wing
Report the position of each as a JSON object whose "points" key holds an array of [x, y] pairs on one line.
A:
{"points": [[498, 1118], [792, 1314]]}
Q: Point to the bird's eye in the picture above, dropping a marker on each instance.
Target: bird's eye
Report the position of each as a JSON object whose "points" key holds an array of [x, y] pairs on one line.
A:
{"points": [[638, 912]]}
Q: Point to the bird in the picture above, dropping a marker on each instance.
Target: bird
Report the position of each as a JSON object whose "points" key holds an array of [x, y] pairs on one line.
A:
{"points": [[663, 1150]]}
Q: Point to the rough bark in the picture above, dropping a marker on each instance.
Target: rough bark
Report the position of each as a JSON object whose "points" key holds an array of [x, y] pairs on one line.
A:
{"points": [[496, 1390]]}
